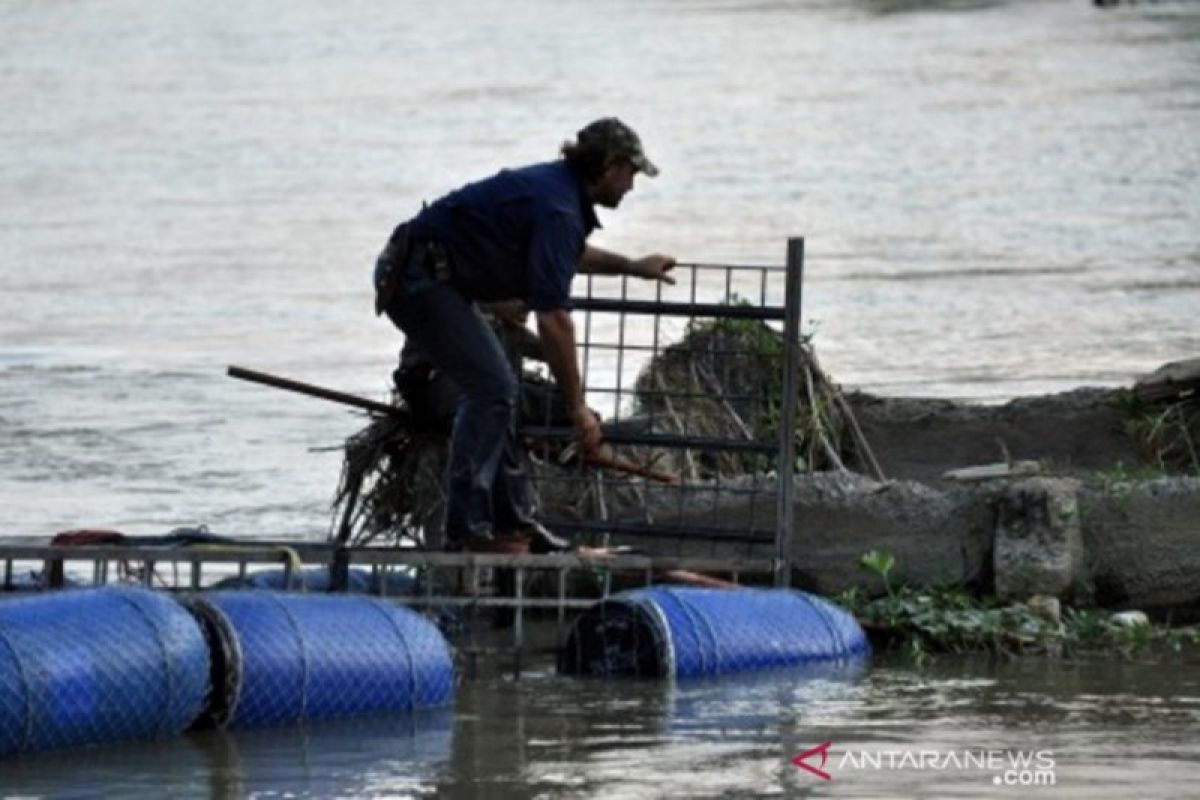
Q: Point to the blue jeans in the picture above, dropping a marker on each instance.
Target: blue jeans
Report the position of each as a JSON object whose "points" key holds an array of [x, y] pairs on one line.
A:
{"points": [[487, 488]]}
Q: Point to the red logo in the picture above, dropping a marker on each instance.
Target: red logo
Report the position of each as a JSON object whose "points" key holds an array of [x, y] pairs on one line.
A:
{"points": [[823, 749]]}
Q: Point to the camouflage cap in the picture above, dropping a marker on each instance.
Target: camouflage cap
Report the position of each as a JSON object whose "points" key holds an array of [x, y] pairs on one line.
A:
{"points": [[619, 139]]}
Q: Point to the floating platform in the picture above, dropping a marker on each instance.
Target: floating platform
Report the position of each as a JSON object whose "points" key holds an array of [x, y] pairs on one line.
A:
{"points": [[461, 587]]}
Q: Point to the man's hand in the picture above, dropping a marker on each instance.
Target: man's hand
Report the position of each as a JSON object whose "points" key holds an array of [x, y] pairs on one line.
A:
{"points": [[588, 426], [596, 261], [654, 268]]}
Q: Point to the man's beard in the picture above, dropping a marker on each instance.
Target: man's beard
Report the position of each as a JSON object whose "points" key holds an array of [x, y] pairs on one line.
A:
{"points": [[610, 201]]}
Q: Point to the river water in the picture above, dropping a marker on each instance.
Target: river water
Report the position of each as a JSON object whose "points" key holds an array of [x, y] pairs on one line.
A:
{"points": [[1095, 729], [998, 198]]}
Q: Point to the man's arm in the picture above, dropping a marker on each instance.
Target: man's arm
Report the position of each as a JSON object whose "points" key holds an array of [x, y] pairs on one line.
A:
{"points": [[604, 262], [557, 333]]}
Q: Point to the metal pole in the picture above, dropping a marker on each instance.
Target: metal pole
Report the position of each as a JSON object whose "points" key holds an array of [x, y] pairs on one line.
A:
{"points": [[309, 389], [785, 471], [339, 569], [519, 622]]}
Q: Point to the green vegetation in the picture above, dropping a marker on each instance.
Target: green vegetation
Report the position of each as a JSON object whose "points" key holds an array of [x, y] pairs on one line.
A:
{"points": [[948, 619], [880, 562]]}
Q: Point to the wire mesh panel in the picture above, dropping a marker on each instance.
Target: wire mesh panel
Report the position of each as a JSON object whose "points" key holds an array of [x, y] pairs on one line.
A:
{"points": [[690, 632], [695, 384], [97, 665], [293, 657]]}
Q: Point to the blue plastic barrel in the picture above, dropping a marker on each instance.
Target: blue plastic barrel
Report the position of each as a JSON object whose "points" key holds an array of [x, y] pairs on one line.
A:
{"points": [[685, 632], [291, 657], [97, 665]]}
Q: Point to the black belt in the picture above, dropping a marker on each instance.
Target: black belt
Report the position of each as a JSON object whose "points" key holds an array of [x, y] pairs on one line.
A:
{"points": [[402, 250]]}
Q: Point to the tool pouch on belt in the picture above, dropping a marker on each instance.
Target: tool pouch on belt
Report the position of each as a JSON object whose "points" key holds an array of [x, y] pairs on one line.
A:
{"points": [[389, 268]]}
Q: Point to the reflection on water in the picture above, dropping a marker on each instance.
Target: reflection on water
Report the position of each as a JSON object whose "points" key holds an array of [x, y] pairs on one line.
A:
{"points": [[350, 758], [1112, 729]]}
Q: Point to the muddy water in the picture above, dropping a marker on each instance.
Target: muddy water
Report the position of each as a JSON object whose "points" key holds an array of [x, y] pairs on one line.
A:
{"points": [[184, 186], [999, 198], [1094, 729]]}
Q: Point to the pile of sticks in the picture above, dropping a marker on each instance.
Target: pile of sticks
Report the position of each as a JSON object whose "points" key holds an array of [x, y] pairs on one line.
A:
{"points": [[723, 380], [1165, 417]]}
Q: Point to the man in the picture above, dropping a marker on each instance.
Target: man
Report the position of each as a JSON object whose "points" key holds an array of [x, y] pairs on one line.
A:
{"points": [[521, 234], [431, 397]]}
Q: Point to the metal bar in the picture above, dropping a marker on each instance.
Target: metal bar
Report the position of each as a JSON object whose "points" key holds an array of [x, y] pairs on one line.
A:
{"points": [[655, 440], [621, 318], [227, 553], [309, 389], [785, 471], [413, 557], [654, 343], [563, 560], [587, 346], [693, 309], [673, 396], [715, 511], [52, 573], [649, 530], [518, 621], [500, 601], [648, 348], [562, 609], [734, 267], [753, 495], [339, 570], [472, 665]]}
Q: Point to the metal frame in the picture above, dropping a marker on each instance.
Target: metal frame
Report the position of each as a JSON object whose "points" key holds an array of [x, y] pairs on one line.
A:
{"points": [[621, 326]]}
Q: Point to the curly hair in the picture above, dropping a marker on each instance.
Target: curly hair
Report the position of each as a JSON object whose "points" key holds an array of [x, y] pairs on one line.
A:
{"points": [[586, 160]]}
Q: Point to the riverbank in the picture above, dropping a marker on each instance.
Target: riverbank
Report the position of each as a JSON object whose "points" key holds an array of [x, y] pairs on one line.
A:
{"points": [[1044, 496]]}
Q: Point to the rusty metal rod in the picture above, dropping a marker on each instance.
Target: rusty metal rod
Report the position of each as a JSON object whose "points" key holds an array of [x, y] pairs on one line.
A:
{"points": [[309, 389], [254, 376]]}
